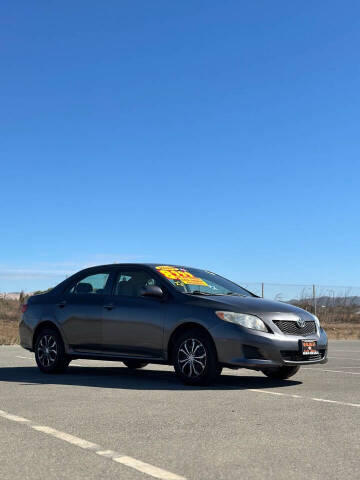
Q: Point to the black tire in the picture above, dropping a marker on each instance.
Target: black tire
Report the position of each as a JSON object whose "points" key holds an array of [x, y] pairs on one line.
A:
{"points": [[200, 369], [50, 352], [134, 364], [280, 373]]}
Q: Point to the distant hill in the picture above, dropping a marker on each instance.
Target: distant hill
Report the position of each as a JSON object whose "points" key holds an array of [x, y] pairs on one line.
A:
{"points": [[19, 295], [331, 301], [11, 295]]}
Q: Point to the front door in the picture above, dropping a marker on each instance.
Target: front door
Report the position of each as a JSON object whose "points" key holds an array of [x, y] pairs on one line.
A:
{"points": [[133, 325]]}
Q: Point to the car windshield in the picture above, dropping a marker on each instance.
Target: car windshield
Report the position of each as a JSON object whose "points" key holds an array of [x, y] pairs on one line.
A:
{"points": [[194, 281]]}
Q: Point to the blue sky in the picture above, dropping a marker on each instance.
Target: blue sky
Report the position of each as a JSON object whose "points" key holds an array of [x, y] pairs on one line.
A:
{"points": [[217, 134]]}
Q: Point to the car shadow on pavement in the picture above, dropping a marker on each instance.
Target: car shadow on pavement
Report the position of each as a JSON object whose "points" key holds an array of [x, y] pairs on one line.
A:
{"points": [[123, 378]]}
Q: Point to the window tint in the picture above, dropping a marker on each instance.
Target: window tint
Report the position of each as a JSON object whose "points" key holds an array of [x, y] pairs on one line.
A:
{"points": [[190, 280], [130, 284], [93, 284]]}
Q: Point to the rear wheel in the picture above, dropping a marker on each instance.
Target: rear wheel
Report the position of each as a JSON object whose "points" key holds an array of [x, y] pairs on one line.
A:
{"points": [[50, 352], [281, 373], [134, 364], [195, 359]]}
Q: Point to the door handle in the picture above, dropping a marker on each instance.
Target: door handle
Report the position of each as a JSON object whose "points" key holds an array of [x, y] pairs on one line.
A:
{"points": [[109, 306], [62, 304]]}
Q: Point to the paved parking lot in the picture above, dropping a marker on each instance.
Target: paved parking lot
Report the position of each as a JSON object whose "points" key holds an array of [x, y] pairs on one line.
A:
{"points": [[99, 420]]}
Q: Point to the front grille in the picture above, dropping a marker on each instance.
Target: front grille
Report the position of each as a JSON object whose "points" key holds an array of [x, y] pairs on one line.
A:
{"points": [[295, 356], [252, 352], [290, 327]]}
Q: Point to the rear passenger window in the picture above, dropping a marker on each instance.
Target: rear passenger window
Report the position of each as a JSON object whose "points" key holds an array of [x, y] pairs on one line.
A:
{"points": [[93, 284]]}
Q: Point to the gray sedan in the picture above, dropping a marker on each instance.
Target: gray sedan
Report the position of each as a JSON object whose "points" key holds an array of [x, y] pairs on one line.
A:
{"points": [[193, 319]]}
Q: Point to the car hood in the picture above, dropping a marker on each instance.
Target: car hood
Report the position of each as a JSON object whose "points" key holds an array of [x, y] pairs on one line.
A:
{"points": [[253, 305]]}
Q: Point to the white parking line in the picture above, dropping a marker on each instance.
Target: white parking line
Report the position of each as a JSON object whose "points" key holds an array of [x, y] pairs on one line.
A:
{"points": [[146, 468], [130, 462], [334, 371], [79, 442], [335, 401], [346, 351], [347, 358], [337, 366], [14, 418], [357, 405]]}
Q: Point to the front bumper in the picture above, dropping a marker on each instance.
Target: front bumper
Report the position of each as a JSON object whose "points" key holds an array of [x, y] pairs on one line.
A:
{"points": [[240, 347]]}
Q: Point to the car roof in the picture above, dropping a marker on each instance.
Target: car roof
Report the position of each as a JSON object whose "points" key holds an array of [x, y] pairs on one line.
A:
{"points": [[134, 264]]}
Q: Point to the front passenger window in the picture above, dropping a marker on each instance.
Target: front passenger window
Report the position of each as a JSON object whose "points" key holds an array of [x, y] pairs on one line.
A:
{"points": [[93, 284], [131, 284]]}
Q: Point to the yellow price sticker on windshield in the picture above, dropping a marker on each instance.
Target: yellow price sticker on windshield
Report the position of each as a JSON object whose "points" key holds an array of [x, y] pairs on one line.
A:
{"points": [[174, 273]]}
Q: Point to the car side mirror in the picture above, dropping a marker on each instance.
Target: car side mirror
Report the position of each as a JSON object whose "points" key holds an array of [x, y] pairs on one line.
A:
{"points": [[152, 291]]}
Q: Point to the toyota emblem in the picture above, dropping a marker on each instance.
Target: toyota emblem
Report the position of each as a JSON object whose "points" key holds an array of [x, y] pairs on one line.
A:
{"points": [[300, 322]]}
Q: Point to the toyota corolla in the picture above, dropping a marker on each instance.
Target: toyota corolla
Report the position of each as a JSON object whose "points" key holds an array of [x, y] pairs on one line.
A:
{"points": [[193, 319]]}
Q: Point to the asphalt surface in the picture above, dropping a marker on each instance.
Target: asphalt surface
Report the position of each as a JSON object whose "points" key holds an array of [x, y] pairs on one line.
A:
{"points": [[245, 426]]}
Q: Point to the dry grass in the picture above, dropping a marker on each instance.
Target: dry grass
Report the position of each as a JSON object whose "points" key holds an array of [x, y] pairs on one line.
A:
{"points": [[9, 321], [343, 331], [341, 310], [9, 332], [10, 309]]}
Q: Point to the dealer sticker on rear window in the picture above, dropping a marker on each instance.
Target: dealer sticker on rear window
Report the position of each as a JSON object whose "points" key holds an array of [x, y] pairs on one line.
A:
{"points": [[180, 274]]}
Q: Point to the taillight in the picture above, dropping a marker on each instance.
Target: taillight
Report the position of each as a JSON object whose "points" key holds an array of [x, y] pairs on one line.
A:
{"points": [[24, 308]]}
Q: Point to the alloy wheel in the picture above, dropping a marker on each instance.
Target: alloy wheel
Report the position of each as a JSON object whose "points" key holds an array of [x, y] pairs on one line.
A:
{"points": [[192, 358], [47, 350]]}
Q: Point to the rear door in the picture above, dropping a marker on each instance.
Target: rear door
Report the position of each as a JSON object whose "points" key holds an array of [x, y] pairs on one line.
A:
{"points": [[80, 311], [134, 325]]}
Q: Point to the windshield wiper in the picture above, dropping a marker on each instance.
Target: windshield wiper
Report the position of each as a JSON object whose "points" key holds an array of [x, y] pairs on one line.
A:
{"points": [[237, 294], [197, 292]]}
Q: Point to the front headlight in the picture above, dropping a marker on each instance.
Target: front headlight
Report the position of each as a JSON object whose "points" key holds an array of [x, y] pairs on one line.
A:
{"points": [[243, 319], [317, 321]]}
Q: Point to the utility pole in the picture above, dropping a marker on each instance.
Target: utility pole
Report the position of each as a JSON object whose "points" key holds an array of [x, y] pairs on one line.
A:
{"points": [[314, 299]]}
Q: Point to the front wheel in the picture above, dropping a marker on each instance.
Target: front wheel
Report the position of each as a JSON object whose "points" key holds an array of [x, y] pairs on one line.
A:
{"points": [[49, 351], [280, 373], [195, 359]]}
